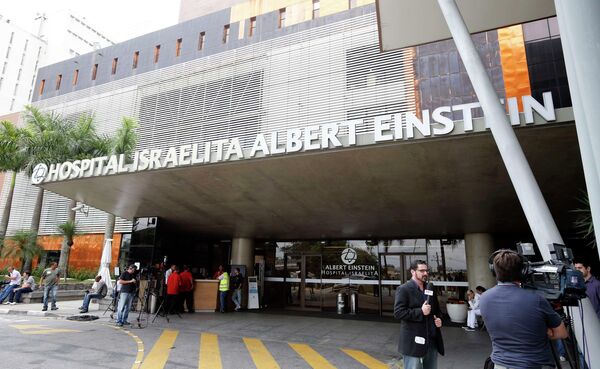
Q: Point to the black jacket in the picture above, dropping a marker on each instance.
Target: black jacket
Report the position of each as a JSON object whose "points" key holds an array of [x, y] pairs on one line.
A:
{"points": [[407, 308]]}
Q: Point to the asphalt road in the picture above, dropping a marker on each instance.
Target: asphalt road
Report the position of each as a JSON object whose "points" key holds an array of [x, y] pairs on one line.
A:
{"points": [[45, 343]]}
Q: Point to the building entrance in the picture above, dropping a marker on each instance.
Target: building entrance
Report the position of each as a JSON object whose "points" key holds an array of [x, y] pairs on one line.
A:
{"points": [[303, 281], [395, 270]]}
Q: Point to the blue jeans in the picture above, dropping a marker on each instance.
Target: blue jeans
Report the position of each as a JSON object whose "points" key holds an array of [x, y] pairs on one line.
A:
{"points": [[7, 290], [88, 297], [15, 295], [237, 298], [125, 300], [429, 361], [222, 300], [50, 290]]}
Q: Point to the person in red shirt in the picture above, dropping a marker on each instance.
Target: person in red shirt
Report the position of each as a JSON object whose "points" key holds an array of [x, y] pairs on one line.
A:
{"points": [[187, 289], [218, 272], [173, 288]]}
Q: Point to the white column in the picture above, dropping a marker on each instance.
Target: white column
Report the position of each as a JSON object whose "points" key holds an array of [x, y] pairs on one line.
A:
{"points": [[242, 253], [579, 24], [534, 206], [478, 248]]}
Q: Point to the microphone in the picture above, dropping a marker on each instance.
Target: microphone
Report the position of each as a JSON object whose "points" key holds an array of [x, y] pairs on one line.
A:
{"points": [[429, 291]]}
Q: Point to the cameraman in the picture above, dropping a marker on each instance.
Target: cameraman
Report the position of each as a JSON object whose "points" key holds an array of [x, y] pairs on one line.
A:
{"points": [[519, 321]]}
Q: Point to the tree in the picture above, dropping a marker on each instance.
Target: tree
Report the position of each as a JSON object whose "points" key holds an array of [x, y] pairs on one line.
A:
{"points": [[13, 158], [23, 245], [82, 142], [123, 143]]}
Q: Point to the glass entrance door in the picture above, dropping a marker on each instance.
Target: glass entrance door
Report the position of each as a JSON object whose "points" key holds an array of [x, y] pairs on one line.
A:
{"points": [[303, 281], [395, 270]]}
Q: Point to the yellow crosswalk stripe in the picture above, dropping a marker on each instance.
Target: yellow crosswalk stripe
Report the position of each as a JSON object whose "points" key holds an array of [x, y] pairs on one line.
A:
{"points": [[365, 359], [313, 358], [210, 355], [40, 329], [157, 358], [260, 355]]}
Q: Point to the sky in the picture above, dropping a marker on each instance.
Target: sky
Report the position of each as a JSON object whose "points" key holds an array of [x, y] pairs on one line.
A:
{"points": [[119, 20]]}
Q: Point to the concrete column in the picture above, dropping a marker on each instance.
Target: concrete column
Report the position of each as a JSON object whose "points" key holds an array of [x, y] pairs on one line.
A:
{"points": [[478, 247], [242, 253]]}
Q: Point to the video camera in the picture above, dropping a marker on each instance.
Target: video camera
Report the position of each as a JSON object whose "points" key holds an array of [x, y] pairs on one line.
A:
{"points": [[555, 280]]}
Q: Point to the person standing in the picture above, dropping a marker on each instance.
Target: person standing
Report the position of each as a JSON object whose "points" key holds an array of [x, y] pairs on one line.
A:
{"points": [[126, 294], [173, 286], [187, 289], [418, 309], [519, 321], [223, 289], [237, 283], [28, 285], [49, 282], [218, 272], [98, 291], [592, 285], [15, 281]]}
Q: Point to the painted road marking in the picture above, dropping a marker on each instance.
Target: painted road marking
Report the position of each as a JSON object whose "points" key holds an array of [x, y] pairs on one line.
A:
{"points": [[365, 359], [40, 329], [210, 355], [158, 356], [260, 355], [313, 358]]}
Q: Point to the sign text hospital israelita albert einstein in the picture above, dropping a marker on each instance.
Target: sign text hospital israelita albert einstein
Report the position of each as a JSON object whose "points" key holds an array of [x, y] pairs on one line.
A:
{"points": [[401, 126]]}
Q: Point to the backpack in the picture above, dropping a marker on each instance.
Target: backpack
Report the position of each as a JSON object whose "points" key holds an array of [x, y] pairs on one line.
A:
{"points": [[103, 290]]}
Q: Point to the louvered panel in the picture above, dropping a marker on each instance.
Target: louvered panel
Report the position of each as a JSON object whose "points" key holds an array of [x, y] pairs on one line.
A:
{"points": [[325, 74]]}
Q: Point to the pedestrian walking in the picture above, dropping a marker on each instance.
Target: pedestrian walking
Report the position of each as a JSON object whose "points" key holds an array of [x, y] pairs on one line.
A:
{"points": [[49, 282]]}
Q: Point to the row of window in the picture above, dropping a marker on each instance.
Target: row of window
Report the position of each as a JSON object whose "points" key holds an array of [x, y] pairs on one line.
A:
{"points": [[316, 7]]}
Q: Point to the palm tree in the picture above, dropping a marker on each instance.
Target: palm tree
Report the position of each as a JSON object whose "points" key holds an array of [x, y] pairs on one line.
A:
{"points": [[14, 159], [83, 142], [123, 143], [23, 245]]}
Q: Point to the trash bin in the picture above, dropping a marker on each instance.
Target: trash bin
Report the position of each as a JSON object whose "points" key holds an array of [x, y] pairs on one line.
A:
{"points": [[341, 303], [354, 303]]}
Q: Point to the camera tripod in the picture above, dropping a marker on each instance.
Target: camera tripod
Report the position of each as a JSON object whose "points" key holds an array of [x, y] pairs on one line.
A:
{"points": [[570, 343], [165, 311]]}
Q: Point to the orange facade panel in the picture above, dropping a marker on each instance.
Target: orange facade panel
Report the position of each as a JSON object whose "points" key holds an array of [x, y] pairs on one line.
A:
{"points": [[514, 62], [86, 250]]}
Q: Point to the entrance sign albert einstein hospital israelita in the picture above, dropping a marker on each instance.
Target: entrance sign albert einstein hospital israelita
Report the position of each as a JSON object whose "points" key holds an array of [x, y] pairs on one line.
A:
{"points": [[401, 126]]}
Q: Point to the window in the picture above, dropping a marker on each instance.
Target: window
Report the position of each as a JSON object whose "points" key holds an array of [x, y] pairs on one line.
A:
{"points": [[156, 53], [178, 47], [316, 8], [7, 52], [252, 28], [352, 4], [114, 66], [94, 72], [19, 74], [226, 33], [281, 23], [42, 85], [12, 35], [1, 80], [58, 81], [75, 76], [136, 57], [201, 38]]}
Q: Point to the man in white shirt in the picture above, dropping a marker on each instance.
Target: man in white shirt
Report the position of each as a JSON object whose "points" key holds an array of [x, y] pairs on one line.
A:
{"points": [[15, 281], [473, 308]]}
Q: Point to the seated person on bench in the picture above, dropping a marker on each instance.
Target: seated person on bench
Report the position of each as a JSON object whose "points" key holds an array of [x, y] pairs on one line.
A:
{"points": [[98, 291], [28, 285], [473, 308]]}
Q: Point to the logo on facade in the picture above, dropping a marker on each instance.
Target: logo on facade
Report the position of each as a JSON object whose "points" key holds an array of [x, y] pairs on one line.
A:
{"points": [[348, 256], [39, 173]]}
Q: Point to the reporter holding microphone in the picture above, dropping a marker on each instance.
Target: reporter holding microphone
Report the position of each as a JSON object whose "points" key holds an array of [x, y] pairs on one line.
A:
{"points": [[417, 307]]}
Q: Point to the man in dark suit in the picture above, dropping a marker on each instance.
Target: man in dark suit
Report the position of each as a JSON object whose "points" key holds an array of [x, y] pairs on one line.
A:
{"points": [[418, 310]]}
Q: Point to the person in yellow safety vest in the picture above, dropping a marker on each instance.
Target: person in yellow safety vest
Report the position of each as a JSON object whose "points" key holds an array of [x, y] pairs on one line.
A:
{"points": [[223, 289]]}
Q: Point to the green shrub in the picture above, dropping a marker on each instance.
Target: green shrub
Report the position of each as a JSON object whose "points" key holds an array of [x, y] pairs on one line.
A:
{"points": [[82, 274], [37, 272]]}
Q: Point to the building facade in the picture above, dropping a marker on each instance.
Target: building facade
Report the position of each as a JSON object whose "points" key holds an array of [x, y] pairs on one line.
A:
{"points": [[279, 137]]}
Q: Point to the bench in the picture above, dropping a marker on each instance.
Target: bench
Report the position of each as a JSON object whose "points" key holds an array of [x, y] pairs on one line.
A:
{"points": [[66, 292]]}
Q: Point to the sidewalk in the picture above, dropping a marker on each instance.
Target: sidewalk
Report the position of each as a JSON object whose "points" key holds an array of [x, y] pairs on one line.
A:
{"points": [[65, 309]]}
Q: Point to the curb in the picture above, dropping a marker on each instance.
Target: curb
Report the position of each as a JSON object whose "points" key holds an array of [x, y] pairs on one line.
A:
{"points": [[33, 313]]}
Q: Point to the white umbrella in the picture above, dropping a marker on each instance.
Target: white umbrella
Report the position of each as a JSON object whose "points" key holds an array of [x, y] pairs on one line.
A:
{"points": [[105, 263]]}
